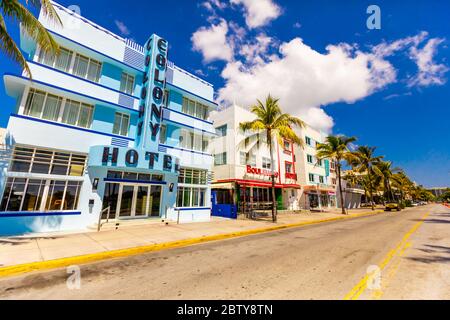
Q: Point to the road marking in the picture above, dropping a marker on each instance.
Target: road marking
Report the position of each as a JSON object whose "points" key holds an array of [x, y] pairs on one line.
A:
{"points": [[121, 253], [359, 289]]}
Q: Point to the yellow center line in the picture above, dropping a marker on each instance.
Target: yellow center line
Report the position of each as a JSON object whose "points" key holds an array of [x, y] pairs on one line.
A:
{"points": [[359, 289]]}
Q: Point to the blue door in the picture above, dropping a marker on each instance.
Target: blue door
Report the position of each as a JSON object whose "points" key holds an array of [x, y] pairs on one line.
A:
{"points": [[222, 210]]}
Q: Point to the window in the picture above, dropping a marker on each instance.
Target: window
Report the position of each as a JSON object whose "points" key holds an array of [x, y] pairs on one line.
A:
{"points": [[127, 83], [311, 177], [308, 141], [193, 176], [195, 109], [243, 158], [78, 114], [319, 162], [191, 189], [251, 160], [166, 98], [287, 146], [288, 167], [222, 131], [310, 158], [333, 181], [42, 105], [121, 124], [123, 175], [33, 160], [60, 62], [220, 159], [266, 163], [87, 68], [188, 197], [193, 141], [46, 106], [163, 134], [40, 194], [321, 179]]}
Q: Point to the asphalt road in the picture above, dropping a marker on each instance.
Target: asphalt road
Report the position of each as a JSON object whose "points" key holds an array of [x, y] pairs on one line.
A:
{"points": [[326, 261]]}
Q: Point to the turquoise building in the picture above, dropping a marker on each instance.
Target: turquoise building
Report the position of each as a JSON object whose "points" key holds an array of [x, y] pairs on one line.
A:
{"points": [[108, 129]]}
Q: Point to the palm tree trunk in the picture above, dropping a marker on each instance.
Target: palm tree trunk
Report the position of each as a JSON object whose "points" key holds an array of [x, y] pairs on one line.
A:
{"points": [[371, 191], [274, 206], [340, 187]]}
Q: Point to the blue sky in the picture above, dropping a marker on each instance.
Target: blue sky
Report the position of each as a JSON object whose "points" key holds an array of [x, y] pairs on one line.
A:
{"points": [[387, 87]]}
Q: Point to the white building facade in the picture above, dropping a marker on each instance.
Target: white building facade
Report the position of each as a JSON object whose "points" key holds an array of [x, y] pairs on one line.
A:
{"points": [[317, 177], [242, 166]]}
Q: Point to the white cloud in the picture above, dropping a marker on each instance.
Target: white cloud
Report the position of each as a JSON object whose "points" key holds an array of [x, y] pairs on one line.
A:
{"points": [[122, 28], [212, 43], [429, 73], [258, 13], [305, 80]]}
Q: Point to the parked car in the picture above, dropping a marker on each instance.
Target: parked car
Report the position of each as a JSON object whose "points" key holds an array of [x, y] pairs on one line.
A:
{"points": [[393, 206]]}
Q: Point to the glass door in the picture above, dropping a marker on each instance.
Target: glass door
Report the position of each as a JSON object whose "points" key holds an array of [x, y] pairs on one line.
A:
{"points": [[132, 200], [110, 200], [142, 201], [126, 201]]}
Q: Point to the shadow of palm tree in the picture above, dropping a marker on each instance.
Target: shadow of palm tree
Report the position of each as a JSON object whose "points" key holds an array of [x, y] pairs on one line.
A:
{"points": [[440, 256]]}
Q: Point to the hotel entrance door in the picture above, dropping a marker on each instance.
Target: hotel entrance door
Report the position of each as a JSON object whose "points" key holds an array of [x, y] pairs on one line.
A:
{"points": [[132, 200]]}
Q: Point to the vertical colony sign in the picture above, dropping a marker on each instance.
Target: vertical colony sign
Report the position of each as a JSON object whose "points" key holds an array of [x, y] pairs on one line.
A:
{"points": [[152, 94]]}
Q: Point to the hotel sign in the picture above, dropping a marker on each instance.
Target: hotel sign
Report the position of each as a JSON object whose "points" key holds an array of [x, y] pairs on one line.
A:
{"points": [[152, 94]]}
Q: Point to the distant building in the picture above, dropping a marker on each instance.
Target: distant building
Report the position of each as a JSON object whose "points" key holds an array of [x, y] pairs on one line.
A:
{"points": [[437, 192]]}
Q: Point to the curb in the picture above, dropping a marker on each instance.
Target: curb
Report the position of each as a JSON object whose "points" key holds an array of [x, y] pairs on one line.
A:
{"points": [[84, 259]]}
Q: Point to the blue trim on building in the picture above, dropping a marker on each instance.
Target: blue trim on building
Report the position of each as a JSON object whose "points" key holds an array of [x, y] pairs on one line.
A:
{"points": [[188, 115], [191, 93], [82, 79], [69, 126], [24, 214], [188, 126], [98, 52], [186, 150], [135, 181], [70, 91], [191, 209]]}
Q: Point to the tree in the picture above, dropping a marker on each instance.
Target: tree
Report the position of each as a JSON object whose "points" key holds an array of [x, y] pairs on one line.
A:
{"points": [[386, 171], [17, 12], [336, 149], [275, 125], [364, 161], [403, 184]]}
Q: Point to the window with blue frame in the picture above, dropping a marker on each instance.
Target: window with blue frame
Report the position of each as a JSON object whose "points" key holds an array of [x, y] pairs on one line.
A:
{"points": [[121, 124]]}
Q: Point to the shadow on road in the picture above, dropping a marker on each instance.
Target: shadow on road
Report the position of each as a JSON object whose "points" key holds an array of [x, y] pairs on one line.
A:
{"points": [[442, 254]]}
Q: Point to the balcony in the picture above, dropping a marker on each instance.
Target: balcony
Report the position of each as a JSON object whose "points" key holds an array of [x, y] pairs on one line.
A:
{"points": [[73, 84], [184, 120]]}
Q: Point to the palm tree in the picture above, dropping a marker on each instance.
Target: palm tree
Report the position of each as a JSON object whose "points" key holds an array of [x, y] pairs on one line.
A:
{"points": [[386, 172], [274, 125], [403, 184], [336, 149], [15, 11], [364, 161]]}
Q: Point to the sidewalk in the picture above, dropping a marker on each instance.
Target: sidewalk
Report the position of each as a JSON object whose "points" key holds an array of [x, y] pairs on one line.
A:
{"points": [[48, 247]]}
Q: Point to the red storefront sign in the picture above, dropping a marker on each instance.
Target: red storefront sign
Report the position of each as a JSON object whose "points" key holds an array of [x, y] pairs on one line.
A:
{"points": [[261, 172]]}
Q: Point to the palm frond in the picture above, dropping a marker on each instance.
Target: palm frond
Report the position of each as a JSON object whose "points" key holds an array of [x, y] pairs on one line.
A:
{"points": [[9, 47]]}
